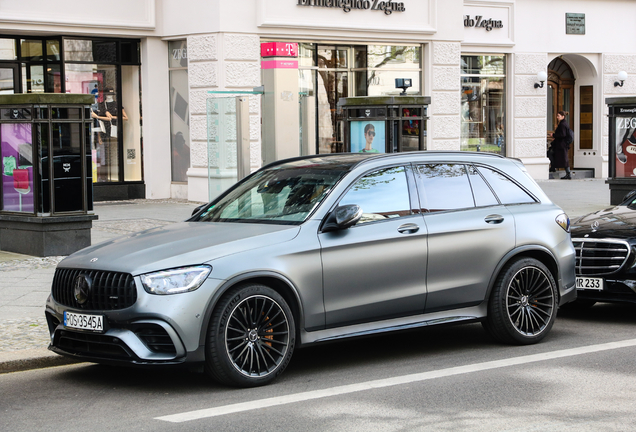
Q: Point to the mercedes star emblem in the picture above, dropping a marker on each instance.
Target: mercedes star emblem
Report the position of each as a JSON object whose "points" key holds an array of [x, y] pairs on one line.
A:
{"points": [[82, 288], [595, 225]]}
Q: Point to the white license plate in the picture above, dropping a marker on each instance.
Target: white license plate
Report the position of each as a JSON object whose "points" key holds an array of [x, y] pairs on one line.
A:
{"points": [[83, 321], [589, 283]]}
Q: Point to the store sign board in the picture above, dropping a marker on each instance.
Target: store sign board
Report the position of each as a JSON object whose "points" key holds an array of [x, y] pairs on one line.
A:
{"points": [[279, 64], [488, 25], [279, 49], [479, 21], [575, 23], [388, 7]]}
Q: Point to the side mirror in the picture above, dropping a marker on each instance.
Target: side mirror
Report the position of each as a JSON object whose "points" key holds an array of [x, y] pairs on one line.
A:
{"points": [[198, 209], [629, 197], [343, 217]]}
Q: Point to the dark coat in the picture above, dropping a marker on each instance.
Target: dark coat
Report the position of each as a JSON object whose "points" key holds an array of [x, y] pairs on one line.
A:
{"points": [[560, 157]]}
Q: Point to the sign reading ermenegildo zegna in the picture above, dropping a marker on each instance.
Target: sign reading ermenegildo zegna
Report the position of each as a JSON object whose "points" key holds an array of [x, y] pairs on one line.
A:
{"points": [[479, 21], [388, 7]]}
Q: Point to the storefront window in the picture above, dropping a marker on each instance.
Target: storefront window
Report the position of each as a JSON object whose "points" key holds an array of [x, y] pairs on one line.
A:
{"points": [[100, 81], [483, 103], [95, 67], [131, 122], [340, 71], [179, 110]]}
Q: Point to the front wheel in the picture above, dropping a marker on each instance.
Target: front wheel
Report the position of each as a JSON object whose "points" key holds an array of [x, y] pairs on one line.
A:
{"points": [[251, 337], [523, 304]]}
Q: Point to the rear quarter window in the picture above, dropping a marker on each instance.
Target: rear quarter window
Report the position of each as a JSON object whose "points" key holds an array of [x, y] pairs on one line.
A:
{"points": [[506, 190]]}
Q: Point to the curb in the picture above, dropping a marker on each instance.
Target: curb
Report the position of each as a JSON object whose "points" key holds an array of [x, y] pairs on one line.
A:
{"points": [[18, 361]]}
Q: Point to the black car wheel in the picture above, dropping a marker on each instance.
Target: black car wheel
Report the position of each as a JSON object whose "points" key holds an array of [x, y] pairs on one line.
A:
{"points": [[523, 304], [251, 337]]}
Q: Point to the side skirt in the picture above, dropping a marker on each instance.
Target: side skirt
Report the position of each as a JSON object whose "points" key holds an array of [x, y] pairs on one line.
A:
{"points": [[474, 313]]}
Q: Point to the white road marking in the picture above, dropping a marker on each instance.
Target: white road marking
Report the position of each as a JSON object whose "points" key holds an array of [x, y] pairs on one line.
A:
{"points": [[389, 382]]}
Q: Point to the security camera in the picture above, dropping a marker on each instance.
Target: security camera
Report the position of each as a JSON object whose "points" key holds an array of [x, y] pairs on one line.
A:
{"points": [[403, 83]]}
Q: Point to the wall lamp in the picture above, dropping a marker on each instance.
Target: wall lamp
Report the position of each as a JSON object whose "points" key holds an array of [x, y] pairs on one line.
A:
{"points": [[541, 76], [622, 76]]}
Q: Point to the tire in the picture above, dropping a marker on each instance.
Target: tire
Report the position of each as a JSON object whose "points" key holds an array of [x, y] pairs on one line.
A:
{"points": [[523, 304], [251, 337]]}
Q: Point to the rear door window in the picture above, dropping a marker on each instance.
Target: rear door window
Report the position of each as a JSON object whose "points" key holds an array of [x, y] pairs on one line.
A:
{"points": [[446, 187]]}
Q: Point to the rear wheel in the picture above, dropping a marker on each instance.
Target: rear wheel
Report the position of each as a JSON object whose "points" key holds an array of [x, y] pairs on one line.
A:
{"points": [[523, 304], [251, 337]]}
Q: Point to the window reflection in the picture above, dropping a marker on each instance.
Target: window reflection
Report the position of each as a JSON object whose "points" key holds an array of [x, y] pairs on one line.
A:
{"points": [[446, 187], [381, 195]]}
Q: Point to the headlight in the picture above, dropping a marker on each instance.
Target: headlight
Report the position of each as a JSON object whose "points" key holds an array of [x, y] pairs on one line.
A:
{"points": [[564, 222], [175, 281]]}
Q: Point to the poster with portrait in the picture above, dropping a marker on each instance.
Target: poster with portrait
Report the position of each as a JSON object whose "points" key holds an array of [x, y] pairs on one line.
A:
{"points": [[367, 136], [625, 147]]}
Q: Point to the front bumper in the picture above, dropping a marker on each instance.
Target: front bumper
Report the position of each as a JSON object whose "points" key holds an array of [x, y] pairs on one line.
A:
{"points": [[614, 291], [155, 330]]}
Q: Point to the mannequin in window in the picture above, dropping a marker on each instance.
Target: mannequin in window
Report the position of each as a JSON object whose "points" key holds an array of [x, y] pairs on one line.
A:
{"points": [[107, 114]]}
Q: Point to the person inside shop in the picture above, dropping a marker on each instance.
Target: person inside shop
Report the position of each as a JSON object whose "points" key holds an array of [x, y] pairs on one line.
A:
{"points": [[561, 146], [369, 135]]}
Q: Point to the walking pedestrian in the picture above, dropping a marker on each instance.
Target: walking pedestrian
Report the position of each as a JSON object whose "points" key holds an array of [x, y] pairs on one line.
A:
{"points": [[561, 145]]}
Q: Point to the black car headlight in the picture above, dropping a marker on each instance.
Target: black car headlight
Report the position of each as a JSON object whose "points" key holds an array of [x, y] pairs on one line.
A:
{"points": [[175, 281]]}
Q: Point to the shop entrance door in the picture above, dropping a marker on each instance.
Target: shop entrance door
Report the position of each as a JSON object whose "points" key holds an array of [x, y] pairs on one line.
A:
{"points": [[560, 97], [8, 79]]}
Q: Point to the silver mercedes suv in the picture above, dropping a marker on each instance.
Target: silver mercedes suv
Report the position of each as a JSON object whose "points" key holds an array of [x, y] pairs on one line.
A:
{"points": [[319, 248]]}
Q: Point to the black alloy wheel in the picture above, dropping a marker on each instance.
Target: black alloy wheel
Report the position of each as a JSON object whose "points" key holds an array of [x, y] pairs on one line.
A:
{"points": [[523, 304], [251, 338]]}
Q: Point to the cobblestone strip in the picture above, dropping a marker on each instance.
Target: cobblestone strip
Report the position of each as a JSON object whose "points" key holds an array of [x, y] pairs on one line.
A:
{"points": [[23, 334]]}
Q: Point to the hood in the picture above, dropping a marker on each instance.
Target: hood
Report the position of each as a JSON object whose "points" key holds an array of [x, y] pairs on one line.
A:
{"points": [[178, 245], [613, 222]]}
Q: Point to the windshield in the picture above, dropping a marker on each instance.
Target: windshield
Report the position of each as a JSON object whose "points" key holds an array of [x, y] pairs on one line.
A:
{"points": [[283, 194]]}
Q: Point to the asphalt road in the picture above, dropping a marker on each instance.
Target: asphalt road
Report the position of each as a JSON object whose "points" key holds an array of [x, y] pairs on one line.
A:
{"points": [[580, 378]]}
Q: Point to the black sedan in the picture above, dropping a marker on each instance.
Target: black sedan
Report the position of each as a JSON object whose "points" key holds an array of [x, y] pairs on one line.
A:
{"points": [[605, 243]]}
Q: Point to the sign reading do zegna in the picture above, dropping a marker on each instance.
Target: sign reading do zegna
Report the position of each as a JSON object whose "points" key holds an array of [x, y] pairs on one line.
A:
{"points": [[479, 21], [347, 5]]}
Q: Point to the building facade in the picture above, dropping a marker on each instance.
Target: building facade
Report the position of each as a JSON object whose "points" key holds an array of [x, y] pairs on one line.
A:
{"points": [[155, 66]]}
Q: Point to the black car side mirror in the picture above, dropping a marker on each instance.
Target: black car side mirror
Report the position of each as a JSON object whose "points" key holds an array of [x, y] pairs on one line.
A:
{"points": [[629, 197], [343, 217], [198, 209]]}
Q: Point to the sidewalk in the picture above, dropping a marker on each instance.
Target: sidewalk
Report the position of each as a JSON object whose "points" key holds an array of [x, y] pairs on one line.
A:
{"points": [[26, 280]]}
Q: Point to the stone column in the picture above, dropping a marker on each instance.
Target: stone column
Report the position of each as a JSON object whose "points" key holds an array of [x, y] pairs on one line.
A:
{"points": [[529, 124], [444, 124]]}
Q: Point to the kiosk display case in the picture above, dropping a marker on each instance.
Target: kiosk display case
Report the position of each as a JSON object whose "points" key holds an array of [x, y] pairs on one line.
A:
{"points": [[622, 147], [384, 124], [46, 200]]}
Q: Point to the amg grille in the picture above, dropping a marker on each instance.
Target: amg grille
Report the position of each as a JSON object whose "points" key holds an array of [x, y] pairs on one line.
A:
{"points": [[599, 257], [108, 290]]}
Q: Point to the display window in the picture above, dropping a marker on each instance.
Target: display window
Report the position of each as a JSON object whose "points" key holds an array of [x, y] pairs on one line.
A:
{"points": [[483, 109], [179, 110], [331, 72], [98, 67]]}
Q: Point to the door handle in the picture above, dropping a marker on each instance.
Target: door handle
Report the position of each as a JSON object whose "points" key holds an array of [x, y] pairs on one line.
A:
{"points": [[408, 228], [494, 219]]}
